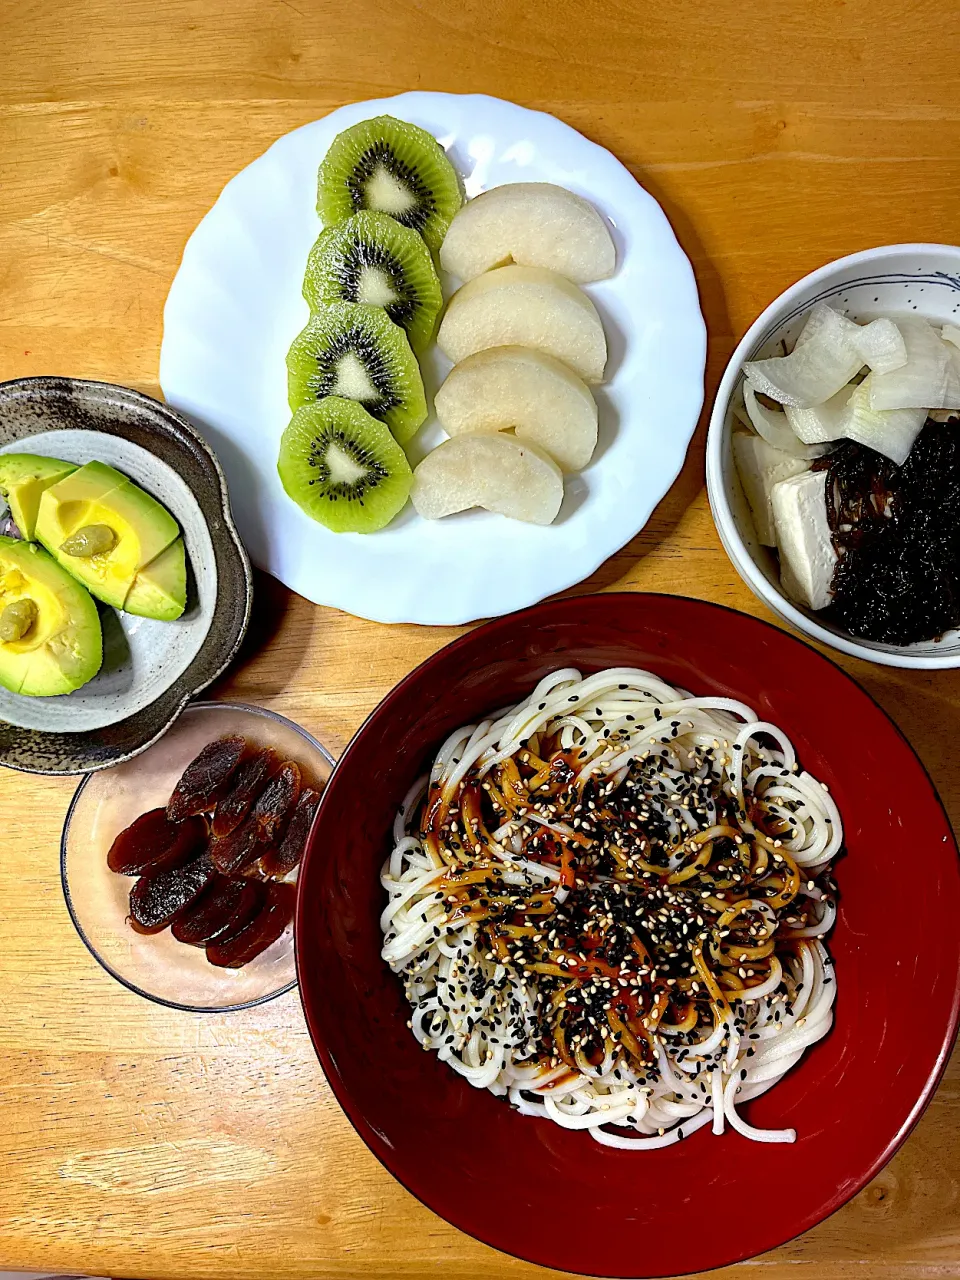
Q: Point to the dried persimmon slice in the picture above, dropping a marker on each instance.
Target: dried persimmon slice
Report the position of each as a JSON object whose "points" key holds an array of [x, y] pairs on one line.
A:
{"points": [[153, 843], [281, 861], [276, 802], [262, 931], [206, 778], [248, 783], [158, 900]]}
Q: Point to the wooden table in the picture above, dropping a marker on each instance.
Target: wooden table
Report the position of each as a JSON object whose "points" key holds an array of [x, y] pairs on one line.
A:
{"points": [[136, 1141]]}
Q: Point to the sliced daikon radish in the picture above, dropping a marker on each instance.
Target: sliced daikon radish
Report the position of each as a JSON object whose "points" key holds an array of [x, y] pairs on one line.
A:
{"points": [[824, 422], [526, 307], [823, 319], [823, 360], [771, 424], [761, 466], [535, 224], [929, 380], [881, 345], [544, 401], [497, 472], [889, 431]]}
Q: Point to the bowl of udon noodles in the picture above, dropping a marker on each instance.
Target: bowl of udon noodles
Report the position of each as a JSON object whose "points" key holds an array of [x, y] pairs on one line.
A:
{"points": [[598, 935]]}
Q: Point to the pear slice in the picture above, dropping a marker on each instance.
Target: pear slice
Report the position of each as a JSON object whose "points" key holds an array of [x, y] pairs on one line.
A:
{"points": [[525, 307], [535, 224], [544, 401], [497, 472]]}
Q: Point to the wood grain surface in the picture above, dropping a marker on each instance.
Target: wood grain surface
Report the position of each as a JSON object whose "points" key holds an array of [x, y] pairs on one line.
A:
{"points": [[136, 1141]]}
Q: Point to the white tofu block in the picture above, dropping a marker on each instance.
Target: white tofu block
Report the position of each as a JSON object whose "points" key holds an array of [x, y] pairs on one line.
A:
{"points": [[807, 557], [760, 467]]}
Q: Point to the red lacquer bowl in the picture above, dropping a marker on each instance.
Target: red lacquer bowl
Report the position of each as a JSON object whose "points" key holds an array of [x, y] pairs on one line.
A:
{"points": [[556, 1197]]}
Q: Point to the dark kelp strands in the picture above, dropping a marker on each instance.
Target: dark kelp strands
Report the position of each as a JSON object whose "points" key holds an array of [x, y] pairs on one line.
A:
{"points": [[896, 531]]}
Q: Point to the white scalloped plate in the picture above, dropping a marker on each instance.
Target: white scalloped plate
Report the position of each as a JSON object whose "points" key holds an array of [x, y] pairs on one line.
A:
{"points": [[235, 306]]}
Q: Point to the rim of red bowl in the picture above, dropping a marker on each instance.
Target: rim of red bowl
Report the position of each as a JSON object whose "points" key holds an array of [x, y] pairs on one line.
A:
{"points": [[383, 1151]]}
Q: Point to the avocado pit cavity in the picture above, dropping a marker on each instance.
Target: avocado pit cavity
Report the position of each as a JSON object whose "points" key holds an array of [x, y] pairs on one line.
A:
{"points": [[91, 540], [17, 619]]}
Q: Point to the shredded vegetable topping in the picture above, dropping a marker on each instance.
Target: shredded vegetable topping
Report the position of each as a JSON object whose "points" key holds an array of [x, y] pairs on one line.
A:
{"points": [[607, 904]]}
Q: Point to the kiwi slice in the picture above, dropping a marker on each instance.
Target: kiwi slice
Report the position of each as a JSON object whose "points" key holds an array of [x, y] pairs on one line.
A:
{"points": [[391, 167], [343, 467], [374, 260], [356, 351]]}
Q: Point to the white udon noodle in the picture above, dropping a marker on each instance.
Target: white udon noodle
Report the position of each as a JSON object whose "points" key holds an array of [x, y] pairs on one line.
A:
{"points": [[771, 1030]]}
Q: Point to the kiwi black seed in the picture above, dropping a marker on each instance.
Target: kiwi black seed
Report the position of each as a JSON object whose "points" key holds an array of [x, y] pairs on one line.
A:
{"points": [[343, 467], [391, 167], [372, 259], [356, 351]]}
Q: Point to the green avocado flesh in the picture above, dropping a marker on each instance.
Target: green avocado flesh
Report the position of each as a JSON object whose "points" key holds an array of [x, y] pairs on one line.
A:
{"points": [[160, 589], [23, 478], [63, 648], [98, 495]]}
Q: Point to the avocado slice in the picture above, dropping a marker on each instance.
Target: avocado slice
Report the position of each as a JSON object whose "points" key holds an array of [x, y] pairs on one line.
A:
{"points": [[95, 496], [160, 588], [23, 478], [63, 647]]}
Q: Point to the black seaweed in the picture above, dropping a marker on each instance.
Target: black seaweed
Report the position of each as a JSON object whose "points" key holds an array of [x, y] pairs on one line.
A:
{"points": [[897, 533]]}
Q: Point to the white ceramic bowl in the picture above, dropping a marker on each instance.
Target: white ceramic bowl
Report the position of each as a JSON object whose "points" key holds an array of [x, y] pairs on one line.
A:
{"points": [[896, 279]]}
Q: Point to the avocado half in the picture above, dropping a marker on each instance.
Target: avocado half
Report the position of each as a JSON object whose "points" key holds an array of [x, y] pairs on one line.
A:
{"points": [[23, 479], [143, 530], [160, 589], [63, 648]]}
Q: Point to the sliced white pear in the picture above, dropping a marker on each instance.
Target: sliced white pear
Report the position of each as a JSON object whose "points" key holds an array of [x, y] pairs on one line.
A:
{"points": [[535, 224], [497, 472], [544, 401], [526, 307]]}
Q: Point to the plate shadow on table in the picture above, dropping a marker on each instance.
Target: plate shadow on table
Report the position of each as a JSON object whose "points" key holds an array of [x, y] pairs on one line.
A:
{"points": [[271, 600], [273, 605]]}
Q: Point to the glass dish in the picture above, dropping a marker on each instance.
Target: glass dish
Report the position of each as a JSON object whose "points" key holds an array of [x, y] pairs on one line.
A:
{"points": [[156, 965]]}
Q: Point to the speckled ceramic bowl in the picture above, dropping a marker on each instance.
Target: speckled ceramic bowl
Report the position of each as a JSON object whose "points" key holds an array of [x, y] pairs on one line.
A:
{"points": [[898, 279], [151, 669]]}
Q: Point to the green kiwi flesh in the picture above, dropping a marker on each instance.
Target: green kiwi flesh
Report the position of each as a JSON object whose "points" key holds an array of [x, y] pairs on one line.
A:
{"points": [[372, 259], [342, 467], [391, 167], [357, 352]]}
